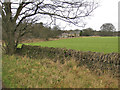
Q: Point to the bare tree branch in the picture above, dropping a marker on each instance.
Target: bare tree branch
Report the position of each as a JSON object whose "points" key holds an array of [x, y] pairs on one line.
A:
{"points": [[68, 11]]}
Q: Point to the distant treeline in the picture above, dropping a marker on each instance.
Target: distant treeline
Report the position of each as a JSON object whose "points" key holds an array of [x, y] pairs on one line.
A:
{"points": [[38, 30], [42, 32], [91, 32]]}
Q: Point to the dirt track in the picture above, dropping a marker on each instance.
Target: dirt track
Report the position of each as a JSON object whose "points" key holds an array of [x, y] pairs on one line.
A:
{"points": [[41, 40]]}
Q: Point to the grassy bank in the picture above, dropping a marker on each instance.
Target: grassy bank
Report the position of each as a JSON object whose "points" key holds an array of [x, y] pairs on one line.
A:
{"points": [[95, 44], [22, 72]]}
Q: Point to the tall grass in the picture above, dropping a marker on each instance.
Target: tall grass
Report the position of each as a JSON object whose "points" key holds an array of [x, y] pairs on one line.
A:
{"points": [[23, 72]]}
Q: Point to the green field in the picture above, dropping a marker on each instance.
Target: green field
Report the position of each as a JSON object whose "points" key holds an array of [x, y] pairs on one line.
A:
{"points": [[95, 44]]}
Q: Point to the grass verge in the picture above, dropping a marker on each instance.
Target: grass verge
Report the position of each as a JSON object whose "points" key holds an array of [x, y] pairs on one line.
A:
{"points": [[23, 72]]}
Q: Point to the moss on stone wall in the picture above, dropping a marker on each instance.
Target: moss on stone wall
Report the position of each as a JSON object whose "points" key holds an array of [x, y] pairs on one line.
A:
{"points": [[97, 62]]}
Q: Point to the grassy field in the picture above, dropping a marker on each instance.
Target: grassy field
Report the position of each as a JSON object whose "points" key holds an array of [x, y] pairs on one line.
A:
{"points": [[22, 72], [95, 44]]}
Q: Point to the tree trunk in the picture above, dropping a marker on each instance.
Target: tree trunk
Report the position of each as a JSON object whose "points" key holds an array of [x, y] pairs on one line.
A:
{"points": [[9, 38], [11, 48]]}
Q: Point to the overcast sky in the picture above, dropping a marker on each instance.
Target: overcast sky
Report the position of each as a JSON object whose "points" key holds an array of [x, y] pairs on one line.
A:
{"points": [[107, 12]]}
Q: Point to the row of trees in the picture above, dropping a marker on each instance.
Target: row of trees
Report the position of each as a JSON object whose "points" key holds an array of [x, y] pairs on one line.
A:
{"points": [[106, 29], [40, 31], [91, 32]]}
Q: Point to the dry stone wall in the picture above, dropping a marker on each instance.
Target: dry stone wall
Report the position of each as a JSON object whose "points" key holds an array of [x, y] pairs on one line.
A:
{"points": [[97, 62]]}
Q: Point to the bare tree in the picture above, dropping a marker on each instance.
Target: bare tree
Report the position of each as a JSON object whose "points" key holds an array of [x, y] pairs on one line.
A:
{"points": [[15, 13]]}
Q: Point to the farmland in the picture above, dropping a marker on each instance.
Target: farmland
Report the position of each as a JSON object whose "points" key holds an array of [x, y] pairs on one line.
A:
{"points": [[55, 44], [94, 44], [24, 72]]}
